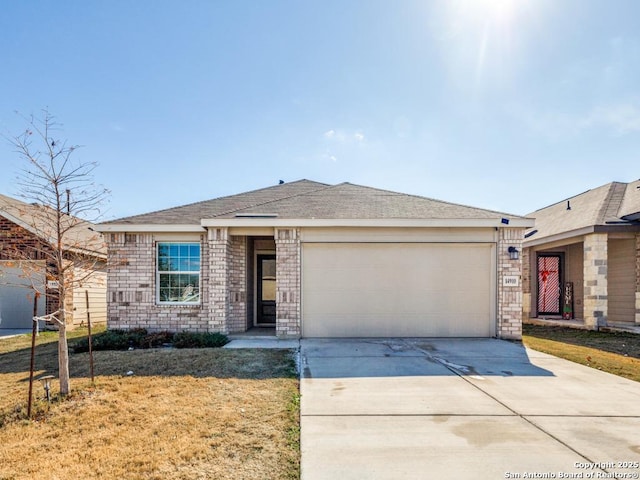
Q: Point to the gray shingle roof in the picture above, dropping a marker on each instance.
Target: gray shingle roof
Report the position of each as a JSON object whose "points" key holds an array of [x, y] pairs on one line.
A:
{"points": [[605, 205], [39, 220], [630, 208], [306, 199]]}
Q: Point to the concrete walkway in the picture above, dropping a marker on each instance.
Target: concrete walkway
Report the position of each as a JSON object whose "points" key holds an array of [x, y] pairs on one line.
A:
{"points": [[13, 332], [460, 409]]}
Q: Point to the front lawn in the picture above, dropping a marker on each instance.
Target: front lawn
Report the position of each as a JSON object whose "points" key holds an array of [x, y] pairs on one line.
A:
{"points": [[181, 414], [613, 352]]}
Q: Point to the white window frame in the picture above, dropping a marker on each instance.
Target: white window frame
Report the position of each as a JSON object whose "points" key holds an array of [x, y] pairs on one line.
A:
{"points": [[177, 272]]}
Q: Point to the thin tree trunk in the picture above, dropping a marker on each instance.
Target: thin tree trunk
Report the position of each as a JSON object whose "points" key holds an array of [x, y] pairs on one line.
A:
{"points": [[63, 358]]}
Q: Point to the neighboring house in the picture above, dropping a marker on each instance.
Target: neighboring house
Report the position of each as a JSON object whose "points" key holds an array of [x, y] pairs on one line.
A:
{"points": [[25, 240], [592, 242], [316, 260]]}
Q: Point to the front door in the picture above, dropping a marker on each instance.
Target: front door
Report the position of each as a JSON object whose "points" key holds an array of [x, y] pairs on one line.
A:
{"points": [[549, 284], [266, 290]]}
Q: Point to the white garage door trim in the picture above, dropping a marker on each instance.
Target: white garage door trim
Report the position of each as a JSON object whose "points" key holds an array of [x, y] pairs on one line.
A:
{"points": [[398, 289]]}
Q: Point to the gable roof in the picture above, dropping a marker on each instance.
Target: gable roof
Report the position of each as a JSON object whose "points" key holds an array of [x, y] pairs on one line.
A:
{"points": [[616, 204], [311, 201], [80, 238], [193, 213]]}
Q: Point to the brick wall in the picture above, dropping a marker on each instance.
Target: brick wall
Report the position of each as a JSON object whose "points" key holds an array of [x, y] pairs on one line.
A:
{"points": [[288, 284], [638, 278], [218, 279], [237, 320], [131, 288], [509, 297], [17, 243], [526, 282], [595, 279]]}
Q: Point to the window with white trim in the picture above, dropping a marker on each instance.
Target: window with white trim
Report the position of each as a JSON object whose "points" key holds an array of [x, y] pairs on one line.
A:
{"points": [[178, 273]]}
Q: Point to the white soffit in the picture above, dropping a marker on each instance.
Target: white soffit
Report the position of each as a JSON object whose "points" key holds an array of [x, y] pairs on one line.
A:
{"points": [[147, 228]]}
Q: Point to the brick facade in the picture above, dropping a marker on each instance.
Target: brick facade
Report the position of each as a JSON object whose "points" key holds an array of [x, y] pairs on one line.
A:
{"points": [[526, 283], [225, 280], [595, 279], [288, 286], [237, 284], [218, 280], [637, 279], [509, 297], [131, 288]]}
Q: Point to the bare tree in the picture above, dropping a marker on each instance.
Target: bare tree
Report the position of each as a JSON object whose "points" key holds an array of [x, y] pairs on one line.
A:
{"points": [[60, 199]]}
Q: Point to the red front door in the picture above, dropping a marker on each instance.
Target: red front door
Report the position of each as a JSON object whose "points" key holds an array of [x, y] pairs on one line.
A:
{"points": [[549, 284]]}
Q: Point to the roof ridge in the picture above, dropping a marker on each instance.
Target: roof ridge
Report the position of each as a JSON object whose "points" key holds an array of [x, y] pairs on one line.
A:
{"points": [[612, 202], [572, 197], [326, 187]]}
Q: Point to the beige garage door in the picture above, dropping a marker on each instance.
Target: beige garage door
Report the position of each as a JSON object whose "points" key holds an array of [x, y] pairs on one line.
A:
{"points": [[397, 290]]}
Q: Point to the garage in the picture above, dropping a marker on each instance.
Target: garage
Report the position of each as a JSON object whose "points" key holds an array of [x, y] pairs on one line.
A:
{"points": [[398, 289], [16, 295]]}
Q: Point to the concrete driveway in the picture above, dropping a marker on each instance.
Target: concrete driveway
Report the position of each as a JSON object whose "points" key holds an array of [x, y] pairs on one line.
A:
{"points": [[461, 409]]}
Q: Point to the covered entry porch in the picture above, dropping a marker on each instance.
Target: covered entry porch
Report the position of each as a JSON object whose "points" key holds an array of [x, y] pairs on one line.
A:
{"points": [[255, 280], [591, 281]]}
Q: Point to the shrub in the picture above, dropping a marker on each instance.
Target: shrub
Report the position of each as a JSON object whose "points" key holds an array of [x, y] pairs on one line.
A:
{"points": [[199, 340], [139, 338], [157, 339], [112, 340]]}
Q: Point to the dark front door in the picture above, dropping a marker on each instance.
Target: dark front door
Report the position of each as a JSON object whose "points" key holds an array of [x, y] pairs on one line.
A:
{"points": [[266, 290], [549, 284]]}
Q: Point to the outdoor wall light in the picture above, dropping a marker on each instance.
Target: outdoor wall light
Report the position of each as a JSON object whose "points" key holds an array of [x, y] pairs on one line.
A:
{"points": [[514, 254], [46, 384]]}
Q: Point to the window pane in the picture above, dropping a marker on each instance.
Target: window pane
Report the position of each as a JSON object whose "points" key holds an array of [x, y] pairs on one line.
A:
{"points": [[163, 264], [175, 284]]}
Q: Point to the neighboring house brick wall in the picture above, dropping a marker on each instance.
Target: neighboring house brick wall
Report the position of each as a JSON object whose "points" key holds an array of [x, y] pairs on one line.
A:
{"points": [[131, 288], [509, 297], [288, 285], [17, 243], [638, 278], [595, 280]]}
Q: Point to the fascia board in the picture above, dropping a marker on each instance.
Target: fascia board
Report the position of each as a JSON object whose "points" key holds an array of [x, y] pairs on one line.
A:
{"points": [[146, 228], [392, 222], [29, 228], [23, 224], [560, 236]]}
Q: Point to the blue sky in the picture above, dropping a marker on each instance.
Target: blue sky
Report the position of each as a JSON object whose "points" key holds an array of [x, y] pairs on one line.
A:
{"points": [[503, 104]]}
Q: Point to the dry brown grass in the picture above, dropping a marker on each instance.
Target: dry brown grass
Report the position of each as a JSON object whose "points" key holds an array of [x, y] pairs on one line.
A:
{"points": [[612, 352], [184, 414]]}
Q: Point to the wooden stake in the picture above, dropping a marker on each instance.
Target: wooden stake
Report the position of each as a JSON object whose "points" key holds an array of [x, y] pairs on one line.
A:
{"points": [[34, 331], [86, 296]]}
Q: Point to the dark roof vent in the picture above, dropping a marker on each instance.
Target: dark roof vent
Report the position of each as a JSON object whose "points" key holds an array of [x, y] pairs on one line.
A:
{"points": [[256, 215]]}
